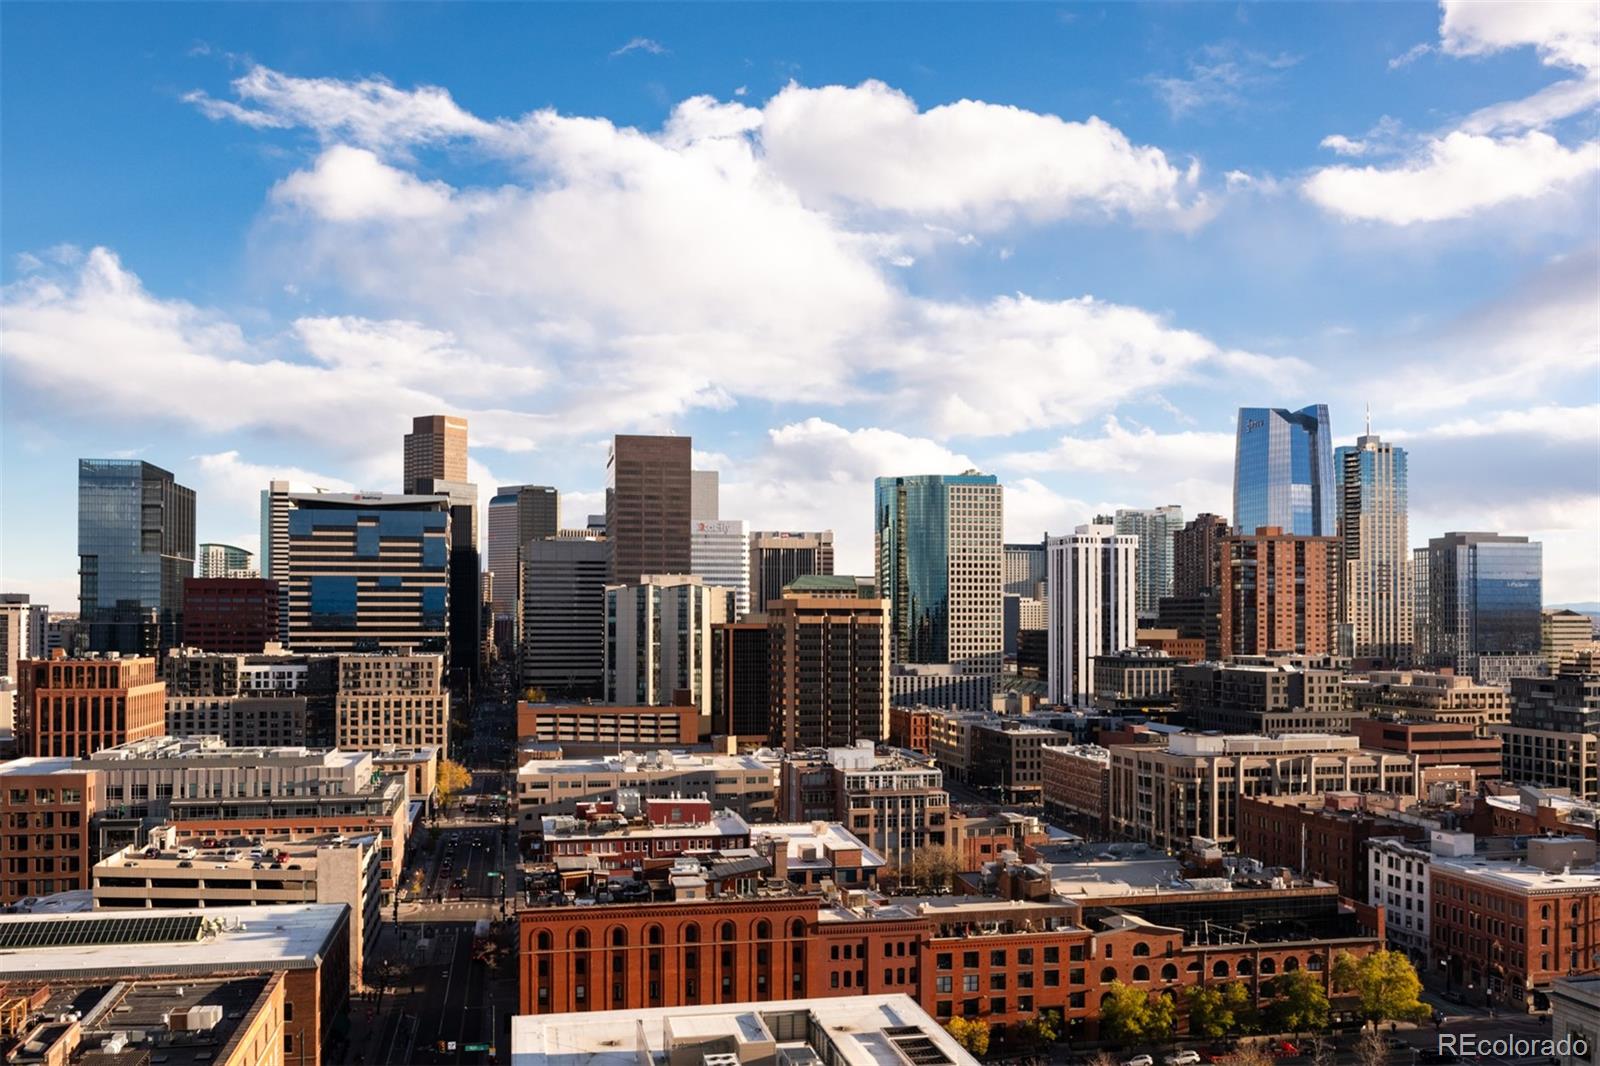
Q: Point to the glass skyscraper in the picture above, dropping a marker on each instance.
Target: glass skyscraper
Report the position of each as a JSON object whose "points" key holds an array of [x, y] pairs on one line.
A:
{"points": [[1375, 588], [1484, 595], [1283, 472], [940, 565], [135, 547]]}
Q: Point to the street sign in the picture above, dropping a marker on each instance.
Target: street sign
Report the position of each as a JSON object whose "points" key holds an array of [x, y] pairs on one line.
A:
{"points": [[494, 873], [476, 1047]]}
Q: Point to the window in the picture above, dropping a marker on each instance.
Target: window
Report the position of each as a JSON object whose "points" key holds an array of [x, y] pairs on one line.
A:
{"points": [[1140, 950], [969, 982], [944, 960], [997, 982], [969, 959], [1108, 975], [943, 985], [997, 958], [1141, 973]]}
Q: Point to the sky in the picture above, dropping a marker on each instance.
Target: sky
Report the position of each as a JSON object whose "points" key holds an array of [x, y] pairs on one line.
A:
{"points": [[1058, 243]]}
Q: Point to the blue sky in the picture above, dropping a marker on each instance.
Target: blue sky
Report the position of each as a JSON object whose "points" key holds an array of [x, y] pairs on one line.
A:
{"points": [[1062, 243]]}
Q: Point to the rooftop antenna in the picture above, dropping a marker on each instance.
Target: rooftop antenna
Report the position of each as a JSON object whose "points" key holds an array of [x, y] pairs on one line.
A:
{"points": [[1369, 419]]}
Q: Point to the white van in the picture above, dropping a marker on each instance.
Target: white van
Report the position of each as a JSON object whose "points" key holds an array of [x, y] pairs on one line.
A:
{"points": [[187, 853]]}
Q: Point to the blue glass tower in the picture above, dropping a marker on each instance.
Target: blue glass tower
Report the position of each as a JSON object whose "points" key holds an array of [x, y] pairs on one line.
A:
{"points": [[1283, 472], [135, 547], [1484, 595]]}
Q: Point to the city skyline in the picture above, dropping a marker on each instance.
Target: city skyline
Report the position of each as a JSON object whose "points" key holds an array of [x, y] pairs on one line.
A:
{"points": [[248, 312]]}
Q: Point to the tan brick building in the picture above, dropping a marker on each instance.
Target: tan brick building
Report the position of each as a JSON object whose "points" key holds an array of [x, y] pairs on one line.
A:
{"points": [[1278, 593]]}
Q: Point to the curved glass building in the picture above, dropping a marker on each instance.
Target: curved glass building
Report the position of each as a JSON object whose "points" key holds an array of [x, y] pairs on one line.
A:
{"points": [[1283, 472]]}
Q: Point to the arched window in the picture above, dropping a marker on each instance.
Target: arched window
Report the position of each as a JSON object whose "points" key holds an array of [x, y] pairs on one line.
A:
{"points": [[544, 941], [797, 928], [1268, 967], [1544, 912], [691, 933], [725, 931], [1141, 949], [1104, 1000], [580, 939], [1108, 975], [1220, 969], [1169, 972], [1246, 968], [1314, 964], [653, 935], [1141, 972], [1194, 966], [763, 930], [1291, 963]]}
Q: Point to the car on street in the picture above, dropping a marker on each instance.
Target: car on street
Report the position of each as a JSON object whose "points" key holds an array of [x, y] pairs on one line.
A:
{"points": [[1183, 1058], [1140, 1060], [1284, 1049]]}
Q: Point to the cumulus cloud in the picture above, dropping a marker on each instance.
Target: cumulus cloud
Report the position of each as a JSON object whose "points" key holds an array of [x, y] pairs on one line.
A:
{"points": [[353, 185], [1566, 33]]}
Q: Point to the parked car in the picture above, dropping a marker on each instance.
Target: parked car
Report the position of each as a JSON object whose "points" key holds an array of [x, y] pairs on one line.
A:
{"points": [[1284, 1049], [1183, 1058], [1140, 1060], [1216, 1053]]}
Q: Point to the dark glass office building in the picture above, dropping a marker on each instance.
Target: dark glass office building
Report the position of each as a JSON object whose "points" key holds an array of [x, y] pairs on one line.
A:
{"points": [[1482, 594], [1283, 472], [369, 571], [135, 548]]}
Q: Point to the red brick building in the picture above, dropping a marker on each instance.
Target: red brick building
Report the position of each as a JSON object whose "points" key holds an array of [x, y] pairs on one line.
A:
{"points": [[230, 614], [45, 807], [74, 707], [1278, 593], [908, 728], [1434, 743], [1323, 836]]}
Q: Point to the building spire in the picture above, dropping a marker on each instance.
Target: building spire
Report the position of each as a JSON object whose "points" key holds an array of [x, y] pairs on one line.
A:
{"points": [[1369, 419]]}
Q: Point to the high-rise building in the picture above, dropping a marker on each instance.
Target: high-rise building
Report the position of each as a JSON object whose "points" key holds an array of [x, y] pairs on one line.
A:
{"points": [[1090, 597], [435, 449], [648, 507], [658, 640], [828, 664], [517, 514], [1375, 593], [1279, 594], [937, 539], [1024, 569], [466, 576], [1154, 527], [224, 560], [230, 614], [740, 696], [1562, 633], [1283, 472], [135, 547], [1196, 566], [275, 507], [778, 558], [720, 554], [564, 616], [14, 642], [369, 571], [1483, 597], [705, 495], [73, 707]]}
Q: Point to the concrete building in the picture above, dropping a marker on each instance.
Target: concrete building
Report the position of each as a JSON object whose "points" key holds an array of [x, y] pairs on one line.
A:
{"points": [[1153, 565], [719, 552], [435, 449], [1376, 597], [1561, 634], [658, 640], [828, 664], [276, 503], [1193, 786], [1397, 881], [1480, 605], [46, 804], [369, 571], [939, 685], [1266, 695], [741, 692], [1091, 587], [1553, 737], [420, 767], [859, 1031], [564, 616], [517, 514], [1132, 679], [389, 701], [15, 616], [230, 614], [1283, 472], [1279, 594], [1025, 570], [71, 707], [307, 943], [648, 507], [1574, 1014], [1007, 758], [1433, 743], [777, 558], [269, 700], [937, 541], [555, 786], [1077, 778], [1432, 697], [894, 802], [224, 561], [135, 547], [606, 727], [1196, 564], [705, 504]]}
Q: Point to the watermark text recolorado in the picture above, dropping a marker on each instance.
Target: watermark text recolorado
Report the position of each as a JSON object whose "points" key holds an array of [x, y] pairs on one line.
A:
{"points": [[1573, 1044]]}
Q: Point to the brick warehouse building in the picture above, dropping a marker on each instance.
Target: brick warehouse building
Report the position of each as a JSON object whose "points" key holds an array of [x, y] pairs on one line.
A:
{"points": [[1322, 836], [1003, 960]]}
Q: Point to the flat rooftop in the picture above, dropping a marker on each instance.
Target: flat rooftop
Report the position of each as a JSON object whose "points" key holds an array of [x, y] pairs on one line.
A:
{"points": [[862, 1031], [1521, 877], [301, 853], [664, 761], [825, 838], [179, 942], [36, 765]]}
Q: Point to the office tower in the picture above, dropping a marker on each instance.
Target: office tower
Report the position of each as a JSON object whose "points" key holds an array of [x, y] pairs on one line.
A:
{"points": [[596, 525], [1090, 599], [14, 642], [1278, 594], [1196, 567], [777, 558], [828, 663], [230, 614], [939, 562], [648, 507], [466, 576], [518, 514], [1283, 472], [38, 630], [1484, 595], [1154, 527], [224, 560], [275, 507], [369, 571], [1024, 569], [435, 449], [704, 496], [740, 694], [720, 554], [135, 547], [1562, 634], [73, 707], [658, 641], [1375, 594], [564, 617]]}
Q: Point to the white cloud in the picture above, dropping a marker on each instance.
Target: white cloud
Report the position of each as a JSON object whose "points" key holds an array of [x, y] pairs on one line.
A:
{"points": [[352, 185], [1566, 33], [1339, 144], [411, 354], [1550, 104], [1454, 177], [641, 44], [1222, 75], [1196, 454], [1553, 422], [1410, 55]]}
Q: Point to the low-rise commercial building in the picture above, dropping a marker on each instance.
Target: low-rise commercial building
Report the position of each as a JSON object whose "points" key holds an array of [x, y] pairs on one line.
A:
{"points": [[419, 765], [1077, 778], [1443, 696], [1575, 1013], [628, 833], [1133, 679], [1433, 743], [608, 726], [939, 685], [1265, 695], [984, 836], [895, 802], [1397, 882], [556, 786], [45, 809], [1324, 836]]}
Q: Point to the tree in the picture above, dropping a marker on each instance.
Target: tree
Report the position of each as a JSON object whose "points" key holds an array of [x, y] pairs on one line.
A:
{"points": [[1129, 1016], [1301, 1004], [1218, 1010], [1043, 1028], [972, 1035], [1389, 988], [1250, 1055], [1103, 1058], [1161, 1018], [452, 779], [1346, 972], [1240, 1001], [935, 867], [535, 695], [1323, 1052], [1370, 1049]]}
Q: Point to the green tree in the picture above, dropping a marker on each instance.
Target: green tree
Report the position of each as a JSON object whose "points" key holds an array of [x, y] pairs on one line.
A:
{"points": [[1301, 1003], [451, 781], [1240, 1001], [972, 1035], [1218, 1010], [1043, 1028], [1130, 1016], [1389, 988], [1161, 1018], [1346, 972]]}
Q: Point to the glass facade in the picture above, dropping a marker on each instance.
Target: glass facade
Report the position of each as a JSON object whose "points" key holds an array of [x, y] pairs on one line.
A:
{"points": [[1283, 471], [913, 526], [1482, 593], [1375, 593], [135, 548]]}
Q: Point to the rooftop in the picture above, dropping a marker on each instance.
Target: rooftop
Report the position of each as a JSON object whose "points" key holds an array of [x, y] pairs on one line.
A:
{"points": [[842, 1031], [1520, 877], [275, 855], [813, 844], [616, 826], [33, 765], [652, 762], [179, 942]]}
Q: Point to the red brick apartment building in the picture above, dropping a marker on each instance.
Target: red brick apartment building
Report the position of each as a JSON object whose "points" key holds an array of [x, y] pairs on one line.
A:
{"points": [[230, 614], [45, 807], [1323, 836], [74, 707]]}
